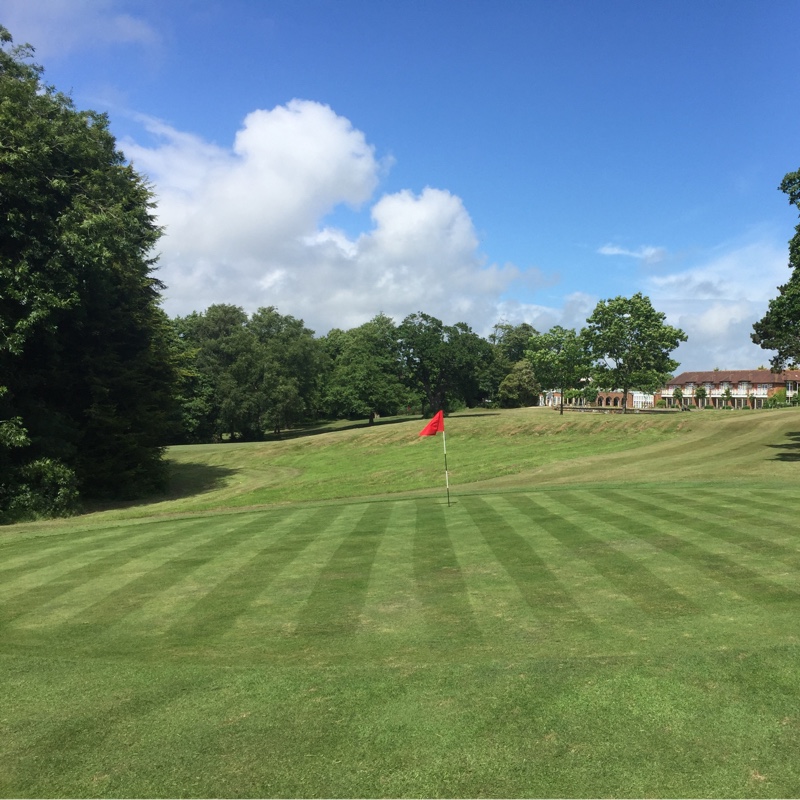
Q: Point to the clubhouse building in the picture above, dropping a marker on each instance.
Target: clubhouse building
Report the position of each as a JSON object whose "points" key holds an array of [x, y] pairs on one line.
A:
{"points": [[738, 388]]}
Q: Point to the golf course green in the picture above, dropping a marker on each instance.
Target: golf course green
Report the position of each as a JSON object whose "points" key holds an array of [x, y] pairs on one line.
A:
{"points": [[609, 606]]}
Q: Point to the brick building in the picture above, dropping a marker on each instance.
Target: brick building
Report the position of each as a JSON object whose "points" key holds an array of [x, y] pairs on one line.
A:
{"points": [[737, 387]]}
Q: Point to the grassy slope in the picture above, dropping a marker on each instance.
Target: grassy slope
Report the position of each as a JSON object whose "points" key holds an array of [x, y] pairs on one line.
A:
{"points": [[616, 615], [526, 448]]}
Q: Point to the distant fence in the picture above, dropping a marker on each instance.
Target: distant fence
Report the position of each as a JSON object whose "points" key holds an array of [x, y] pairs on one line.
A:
{"points": [[619, 410]]}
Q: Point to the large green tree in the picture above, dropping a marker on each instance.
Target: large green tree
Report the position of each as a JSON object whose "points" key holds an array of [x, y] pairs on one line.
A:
{"points": [[250, 375], [631, 344], [520, 387], [444, 363], [560, 360], [511, 341], [292, 367], [423, 350], [509, 381], [84, 346], [366, 372], [779, 329]]}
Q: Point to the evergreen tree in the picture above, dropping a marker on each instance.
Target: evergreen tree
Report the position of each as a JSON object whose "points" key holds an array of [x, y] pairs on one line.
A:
{"points": [[84, 346]]}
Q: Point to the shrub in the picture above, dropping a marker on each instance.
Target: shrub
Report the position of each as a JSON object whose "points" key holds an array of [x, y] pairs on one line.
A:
{"points": [[42, 488], [777, 400]]}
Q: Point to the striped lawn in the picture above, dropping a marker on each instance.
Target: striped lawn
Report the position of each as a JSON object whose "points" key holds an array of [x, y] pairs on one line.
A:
{"points": [[607, 641]]}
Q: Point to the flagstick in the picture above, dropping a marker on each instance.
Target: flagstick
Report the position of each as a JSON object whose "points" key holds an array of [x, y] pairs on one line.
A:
{"points": [[446, 478]]}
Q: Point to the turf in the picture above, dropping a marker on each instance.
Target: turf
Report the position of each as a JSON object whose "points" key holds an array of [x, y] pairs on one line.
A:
{"points": [[616, 615]]}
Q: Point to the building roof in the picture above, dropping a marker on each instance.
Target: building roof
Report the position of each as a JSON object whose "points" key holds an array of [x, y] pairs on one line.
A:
{"points": [[735, 376]]}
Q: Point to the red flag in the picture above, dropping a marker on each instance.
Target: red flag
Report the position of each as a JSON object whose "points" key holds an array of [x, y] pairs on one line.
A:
{"points": [[434, 426]]}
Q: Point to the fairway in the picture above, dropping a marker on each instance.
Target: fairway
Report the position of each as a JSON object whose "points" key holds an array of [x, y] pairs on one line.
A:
{"points": [[609, 607]]}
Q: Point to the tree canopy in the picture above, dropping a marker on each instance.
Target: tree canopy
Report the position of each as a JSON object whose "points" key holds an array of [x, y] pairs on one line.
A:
{"points": [[444, 363], [366, 373], [560, 360], [85, 360], [631, 344], [779, 329], [248, 374]]}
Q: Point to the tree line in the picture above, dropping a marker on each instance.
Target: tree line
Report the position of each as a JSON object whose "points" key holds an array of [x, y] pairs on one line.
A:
{"points": [[246, 376]]}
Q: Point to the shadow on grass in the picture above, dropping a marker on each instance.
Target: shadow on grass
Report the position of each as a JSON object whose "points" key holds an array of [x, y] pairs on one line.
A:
{"points": [[188, 479], [185, 480], [790, 451], [301, 432]]}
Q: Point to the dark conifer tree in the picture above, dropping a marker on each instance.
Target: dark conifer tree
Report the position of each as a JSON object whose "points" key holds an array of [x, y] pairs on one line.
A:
{"points": [[84, 352]]}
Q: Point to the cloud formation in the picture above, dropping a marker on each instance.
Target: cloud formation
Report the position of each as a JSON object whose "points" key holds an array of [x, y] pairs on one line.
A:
{"points": [[717, 302], [245, 225], [647, 254]]}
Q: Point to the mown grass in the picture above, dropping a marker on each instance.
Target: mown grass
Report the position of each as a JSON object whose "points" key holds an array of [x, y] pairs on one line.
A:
{"points": [[486, 450], [616, 615]]}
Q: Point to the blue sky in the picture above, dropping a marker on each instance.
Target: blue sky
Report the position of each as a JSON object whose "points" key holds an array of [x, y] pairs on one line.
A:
{"points": [[479, 161]]}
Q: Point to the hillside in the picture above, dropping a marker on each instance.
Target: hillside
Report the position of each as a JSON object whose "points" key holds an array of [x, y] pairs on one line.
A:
{"points": [[490, 450]]}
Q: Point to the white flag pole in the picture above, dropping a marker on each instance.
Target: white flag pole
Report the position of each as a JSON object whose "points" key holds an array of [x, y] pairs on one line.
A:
{"points": [[446, 477]]}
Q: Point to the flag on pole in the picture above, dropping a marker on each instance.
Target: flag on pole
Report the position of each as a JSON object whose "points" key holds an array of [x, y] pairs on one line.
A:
{"points": [[434, 426], [431, 429]]}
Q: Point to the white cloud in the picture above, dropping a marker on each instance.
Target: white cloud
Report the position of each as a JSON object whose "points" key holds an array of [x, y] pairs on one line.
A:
{"points": [[717, 302], [245, 225], [647, 253], [573, 312], [59, 27]]}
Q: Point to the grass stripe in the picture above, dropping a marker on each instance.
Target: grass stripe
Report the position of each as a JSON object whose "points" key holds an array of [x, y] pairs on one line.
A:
{"points": [[439, 582], [29, 552], [60, 565], [785, 499], [215, 613], [722, 569], [678, 506], [538, 586], [71, 611], [42, 550], [628, 575], [339, 594], [233, 539], [158, 578], [778, 514], [391, 607], [45, 585]]}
